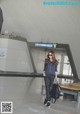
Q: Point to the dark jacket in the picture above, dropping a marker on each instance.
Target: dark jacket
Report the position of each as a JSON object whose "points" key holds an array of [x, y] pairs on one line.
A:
{"points": [[50, 68]]}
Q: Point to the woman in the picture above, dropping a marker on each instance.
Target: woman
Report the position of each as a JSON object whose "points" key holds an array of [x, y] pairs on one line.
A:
{"points": [[50, 71]]}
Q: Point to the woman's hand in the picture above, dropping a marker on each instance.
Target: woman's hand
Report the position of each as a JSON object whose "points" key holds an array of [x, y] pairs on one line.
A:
{"points": [[44, 74]]}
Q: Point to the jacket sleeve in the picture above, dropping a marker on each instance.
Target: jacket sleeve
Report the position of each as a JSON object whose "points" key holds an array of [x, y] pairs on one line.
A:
{"points": [[56, 66], [44, 67], [56, 69]]}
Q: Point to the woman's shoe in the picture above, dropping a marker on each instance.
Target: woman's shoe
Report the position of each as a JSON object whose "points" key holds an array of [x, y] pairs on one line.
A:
{"points": [[45, 102], [48, 104]]}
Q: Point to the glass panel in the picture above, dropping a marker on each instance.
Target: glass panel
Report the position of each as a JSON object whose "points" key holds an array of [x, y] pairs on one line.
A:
{"points": [[67, 67]]}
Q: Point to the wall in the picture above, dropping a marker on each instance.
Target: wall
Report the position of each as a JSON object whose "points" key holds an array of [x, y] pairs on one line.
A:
{"points": [[15, 57]]}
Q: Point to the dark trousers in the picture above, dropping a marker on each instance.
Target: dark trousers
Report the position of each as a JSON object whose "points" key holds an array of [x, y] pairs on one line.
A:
{"points": [[48, 84]]}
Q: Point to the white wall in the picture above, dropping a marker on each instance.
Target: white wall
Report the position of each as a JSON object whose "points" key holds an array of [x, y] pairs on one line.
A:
{"points": [[36, 22], [3, 53], [16, 56]]}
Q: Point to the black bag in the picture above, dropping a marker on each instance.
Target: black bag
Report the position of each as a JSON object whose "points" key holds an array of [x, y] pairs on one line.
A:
{"points": [[55, 92]]}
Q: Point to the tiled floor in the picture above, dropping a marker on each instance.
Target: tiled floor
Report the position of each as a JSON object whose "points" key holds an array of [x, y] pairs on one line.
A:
{"points": [[25, 93]]}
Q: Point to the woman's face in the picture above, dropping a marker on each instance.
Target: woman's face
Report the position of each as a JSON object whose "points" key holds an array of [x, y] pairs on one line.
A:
{"points": [[50, 55]]}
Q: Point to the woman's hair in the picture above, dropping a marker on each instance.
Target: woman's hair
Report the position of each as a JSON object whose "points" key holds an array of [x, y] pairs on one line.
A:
{"points": [[54, 60]]}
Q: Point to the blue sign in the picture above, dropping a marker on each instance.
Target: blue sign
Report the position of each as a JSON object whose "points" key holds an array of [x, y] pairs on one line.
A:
{"points": [[45, 45]]}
